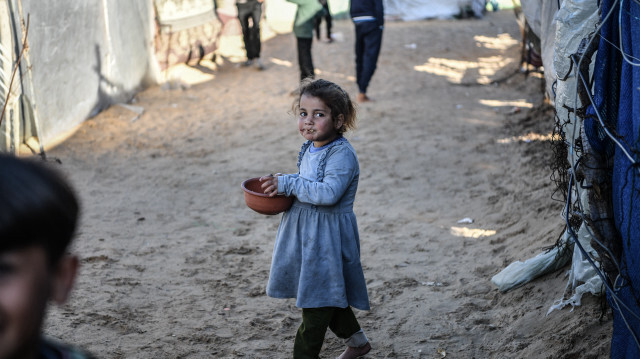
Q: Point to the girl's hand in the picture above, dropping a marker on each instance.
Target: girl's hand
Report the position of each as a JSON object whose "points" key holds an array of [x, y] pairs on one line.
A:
{"points": [[270, 184]]}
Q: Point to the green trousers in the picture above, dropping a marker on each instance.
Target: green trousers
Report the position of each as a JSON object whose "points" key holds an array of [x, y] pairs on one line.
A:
{"points": [[315, 321]]}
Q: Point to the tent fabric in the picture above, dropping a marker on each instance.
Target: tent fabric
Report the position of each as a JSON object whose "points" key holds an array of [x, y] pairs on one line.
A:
{"points": [[185, 28], [616, 84], [8, 136], [540, 16], [606, 79], [626, 186], [411, 10], [84, 56], [616, 99], [575, 21]]}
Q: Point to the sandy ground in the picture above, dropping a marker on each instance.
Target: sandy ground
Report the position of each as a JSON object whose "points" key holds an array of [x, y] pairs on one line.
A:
{"points": [[174, 265]]}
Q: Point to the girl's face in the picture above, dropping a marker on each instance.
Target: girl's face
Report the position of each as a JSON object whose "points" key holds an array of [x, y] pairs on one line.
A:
{"points": [[315, 121]]}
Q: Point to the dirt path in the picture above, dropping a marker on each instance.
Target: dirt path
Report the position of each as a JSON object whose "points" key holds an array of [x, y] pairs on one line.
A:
{"points": [[174, 265]]}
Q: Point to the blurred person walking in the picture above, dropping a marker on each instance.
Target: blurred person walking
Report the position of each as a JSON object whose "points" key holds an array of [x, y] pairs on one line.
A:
{"points": [[303, 25], [251, 10], [327, 19], [368, 18]]}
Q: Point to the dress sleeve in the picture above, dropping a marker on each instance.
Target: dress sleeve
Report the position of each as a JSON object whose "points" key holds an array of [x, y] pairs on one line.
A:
{"points": [[340, 169], [282, 179]]}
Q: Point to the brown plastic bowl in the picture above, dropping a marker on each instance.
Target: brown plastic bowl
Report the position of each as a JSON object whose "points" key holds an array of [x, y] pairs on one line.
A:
{"points": [[258, 201]]}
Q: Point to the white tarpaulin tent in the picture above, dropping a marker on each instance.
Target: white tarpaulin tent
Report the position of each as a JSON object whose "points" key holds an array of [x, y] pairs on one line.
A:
{"points": [[411, 10], [561, 32], [82, 56]]}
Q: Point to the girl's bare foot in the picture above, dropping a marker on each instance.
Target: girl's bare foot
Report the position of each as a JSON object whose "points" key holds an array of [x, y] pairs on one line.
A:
{"points": [[355, 352]]}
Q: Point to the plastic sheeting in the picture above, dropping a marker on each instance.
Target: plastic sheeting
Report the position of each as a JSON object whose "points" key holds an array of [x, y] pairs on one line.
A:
{"points": [[540, 16], [576, 24], [185, 28], [89, 54], [82, 56], [616, 92], [582, 276], [574, 21], [626, 184], [519, 273], [411, 10]]}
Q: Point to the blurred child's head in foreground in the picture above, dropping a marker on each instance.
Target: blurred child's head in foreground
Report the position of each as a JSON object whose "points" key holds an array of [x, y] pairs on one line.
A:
{"points": [[38, 216]]}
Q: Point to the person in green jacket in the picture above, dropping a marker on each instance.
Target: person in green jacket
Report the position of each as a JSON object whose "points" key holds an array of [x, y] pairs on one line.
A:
{"points": [[303, 27]]}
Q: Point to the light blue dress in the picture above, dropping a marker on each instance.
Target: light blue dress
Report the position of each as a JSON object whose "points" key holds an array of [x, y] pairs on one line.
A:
{"points": [[316, 258]]}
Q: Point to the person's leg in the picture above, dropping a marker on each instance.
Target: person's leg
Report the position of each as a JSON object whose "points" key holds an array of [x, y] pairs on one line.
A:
{"points": [[317, 22], [359, 53], [345, 325], [329, 21], [304, 58], [254, 31], [310, 335], [372, 42], [244, 12]]}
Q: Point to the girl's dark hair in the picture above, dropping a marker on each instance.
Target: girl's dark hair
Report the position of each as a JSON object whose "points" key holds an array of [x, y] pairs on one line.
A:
{"points": [[37, 207], [333, 96]]}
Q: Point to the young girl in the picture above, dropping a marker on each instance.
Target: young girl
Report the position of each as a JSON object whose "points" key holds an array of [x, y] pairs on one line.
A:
{"points": [[316, 258]]}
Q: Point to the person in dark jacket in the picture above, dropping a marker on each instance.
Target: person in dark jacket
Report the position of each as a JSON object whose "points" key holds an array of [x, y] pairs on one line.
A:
{"points": [[368, 18]]}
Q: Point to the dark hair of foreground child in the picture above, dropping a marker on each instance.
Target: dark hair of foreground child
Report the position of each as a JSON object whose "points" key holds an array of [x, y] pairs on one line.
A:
{"points": [[38, 217]]}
